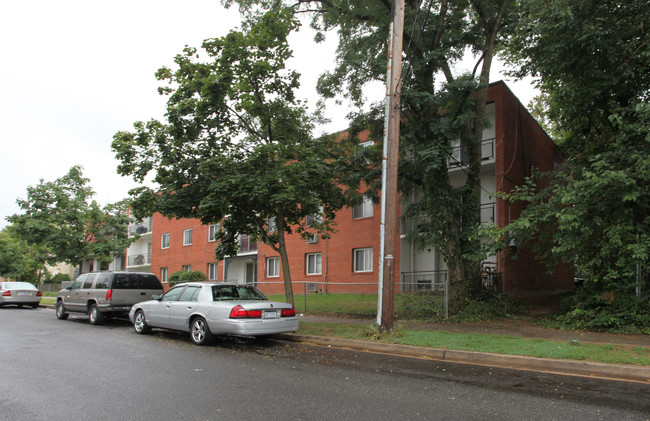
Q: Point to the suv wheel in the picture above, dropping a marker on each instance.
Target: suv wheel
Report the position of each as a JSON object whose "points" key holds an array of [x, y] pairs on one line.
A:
{"points": [[200, 332], [95, 317], [60, 311], [139, 323]]}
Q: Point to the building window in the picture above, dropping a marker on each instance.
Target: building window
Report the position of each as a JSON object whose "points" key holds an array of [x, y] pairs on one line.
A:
{"points": [[363, 209], [187, 237], [246, 245], [212, 271], [271, 226], [164, 241], [213, 229], [187, 268], [363, 260], [273, 267], [314, 264], [163, 274]]}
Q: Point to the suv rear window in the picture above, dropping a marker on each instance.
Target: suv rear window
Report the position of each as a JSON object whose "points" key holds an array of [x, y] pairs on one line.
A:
{"points": [[135, 281]]}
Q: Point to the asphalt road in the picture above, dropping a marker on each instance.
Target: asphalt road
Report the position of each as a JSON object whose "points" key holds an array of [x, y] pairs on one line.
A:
{"points": [[61, 370]]}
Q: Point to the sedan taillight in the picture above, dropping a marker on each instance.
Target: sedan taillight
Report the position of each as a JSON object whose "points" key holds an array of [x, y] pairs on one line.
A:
{"points": [[7, 293], [39, 294], [239, 312], [288, 312]]}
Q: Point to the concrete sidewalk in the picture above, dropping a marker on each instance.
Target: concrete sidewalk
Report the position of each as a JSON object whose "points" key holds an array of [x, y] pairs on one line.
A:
{"points": [[515, 328]]}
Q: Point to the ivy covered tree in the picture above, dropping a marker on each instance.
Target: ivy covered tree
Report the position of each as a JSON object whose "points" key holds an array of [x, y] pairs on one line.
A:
{"points": [[591, 59], [60, 217], [440, 105], [237, 147]]}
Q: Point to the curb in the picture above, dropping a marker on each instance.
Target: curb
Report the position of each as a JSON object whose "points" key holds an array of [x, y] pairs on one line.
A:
{"points": [[547, 365]]}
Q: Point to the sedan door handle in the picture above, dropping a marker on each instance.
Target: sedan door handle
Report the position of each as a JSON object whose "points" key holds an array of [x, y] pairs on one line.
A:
{"points": [[190, 307]]}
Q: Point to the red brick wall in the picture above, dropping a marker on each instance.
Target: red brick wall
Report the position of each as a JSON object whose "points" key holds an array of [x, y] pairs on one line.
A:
{"points": [[198, 254], [520, 145]]}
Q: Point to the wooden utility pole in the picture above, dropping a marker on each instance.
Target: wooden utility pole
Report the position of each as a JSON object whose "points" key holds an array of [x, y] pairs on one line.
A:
{"points": [[389, 199]]}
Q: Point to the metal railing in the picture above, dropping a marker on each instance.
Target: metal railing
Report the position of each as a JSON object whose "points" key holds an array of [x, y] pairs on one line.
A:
{"points": [[140, 228], [139, 260], [460, 157]]}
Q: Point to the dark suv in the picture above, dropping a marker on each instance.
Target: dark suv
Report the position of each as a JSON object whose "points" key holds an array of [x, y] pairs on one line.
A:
{"points": [[106, 294]]}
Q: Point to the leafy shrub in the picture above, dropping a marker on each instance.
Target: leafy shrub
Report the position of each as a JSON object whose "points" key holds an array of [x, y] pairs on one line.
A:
{"points": [[186, 276], [603, 312], [488, 307], [58, 279], [423, 305]]}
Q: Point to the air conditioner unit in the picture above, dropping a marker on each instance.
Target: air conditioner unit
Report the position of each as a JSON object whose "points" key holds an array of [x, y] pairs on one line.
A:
{"points": [[312, 239]]}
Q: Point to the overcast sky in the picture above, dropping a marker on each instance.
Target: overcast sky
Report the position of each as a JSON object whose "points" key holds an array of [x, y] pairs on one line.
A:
{"points": [[75, 72]]}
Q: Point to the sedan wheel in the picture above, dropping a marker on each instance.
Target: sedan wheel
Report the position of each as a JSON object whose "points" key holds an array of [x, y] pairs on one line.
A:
{"points": [[199, 332], [60, 311], [139, 323], [95, 317]]}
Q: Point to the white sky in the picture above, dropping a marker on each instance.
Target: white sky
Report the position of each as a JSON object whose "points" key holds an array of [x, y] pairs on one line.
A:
{"points": [[75, 72]]}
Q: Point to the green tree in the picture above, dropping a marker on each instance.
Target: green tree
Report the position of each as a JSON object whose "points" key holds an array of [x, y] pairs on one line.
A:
{"points": [[237, 148], [439, 106], [61, 217], [591, 60], [20, 261]]}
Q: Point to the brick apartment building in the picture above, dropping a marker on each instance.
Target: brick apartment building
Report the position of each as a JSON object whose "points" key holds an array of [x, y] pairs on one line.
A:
{"points": [[348, 261]]}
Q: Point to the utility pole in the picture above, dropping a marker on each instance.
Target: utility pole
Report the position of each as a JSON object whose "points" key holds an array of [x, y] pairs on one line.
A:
{"points": [[389, 199]]}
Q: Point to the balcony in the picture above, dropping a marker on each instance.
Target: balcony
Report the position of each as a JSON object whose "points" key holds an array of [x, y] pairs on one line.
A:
{"points": [[139, 260], [459, 156], [140, 228]]}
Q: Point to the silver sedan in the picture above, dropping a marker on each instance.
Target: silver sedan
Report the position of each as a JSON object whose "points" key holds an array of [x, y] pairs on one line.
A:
{"points": [[20, 294], [207, 309]]}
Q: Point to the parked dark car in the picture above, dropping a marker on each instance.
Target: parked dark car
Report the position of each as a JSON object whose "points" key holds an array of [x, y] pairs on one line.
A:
{"points": [[106, 294]]}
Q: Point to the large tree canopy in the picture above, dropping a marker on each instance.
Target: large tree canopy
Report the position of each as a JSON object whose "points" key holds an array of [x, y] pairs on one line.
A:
{"points": [[439, 105], [592, 61], [237, 148], [61, 217]]}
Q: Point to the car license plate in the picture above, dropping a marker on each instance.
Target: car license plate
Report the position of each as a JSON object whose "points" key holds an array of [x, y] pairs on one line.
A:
{"points": [[269, 314], [23, 293]]}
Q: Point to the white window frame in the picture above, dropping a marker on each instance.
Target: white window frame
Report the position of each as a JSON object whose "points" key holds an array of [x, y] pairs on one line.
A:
{"points": [[164, 274], [364, 257], [164, 244], [363, 209], [213, 271], [186, 268], [187, 237], [273, 267], [212, 231], [314, 263]]}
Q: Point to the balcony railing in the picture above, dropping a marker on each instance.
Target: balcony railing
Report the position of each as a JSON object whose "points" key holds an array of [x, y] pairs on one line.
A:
{"points": [[139, 260], [424, 281], [488, 213], [140, 228], [459, 155]]}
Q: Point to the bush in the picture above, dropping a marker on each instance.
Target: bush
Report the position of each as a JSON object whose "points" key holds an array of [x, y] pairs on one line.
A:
{"points": [[419, 306], [59, 278], [488, 306], [186, 276], [603, 312]]}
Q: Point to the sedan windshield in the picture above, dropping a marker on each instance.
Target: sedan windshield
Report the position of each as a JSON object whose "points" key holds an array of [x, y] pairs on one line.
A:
{"points": [[236, 292]]}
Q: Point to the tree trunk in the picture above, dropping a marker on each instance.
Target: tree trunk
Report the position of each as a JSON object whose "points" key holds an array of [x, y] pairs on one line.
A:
{"points": [[284, 258]]}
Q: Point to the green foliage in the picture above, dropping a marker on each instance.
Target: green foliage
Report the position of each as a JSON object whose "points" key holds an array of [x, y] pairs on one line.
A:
{"points": [[18, 259], [186, 276], [605, 312], [61, 219], [419, 306], [59, 278], [438, 105], [237, 148], [488, 307], [591, 58]]}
